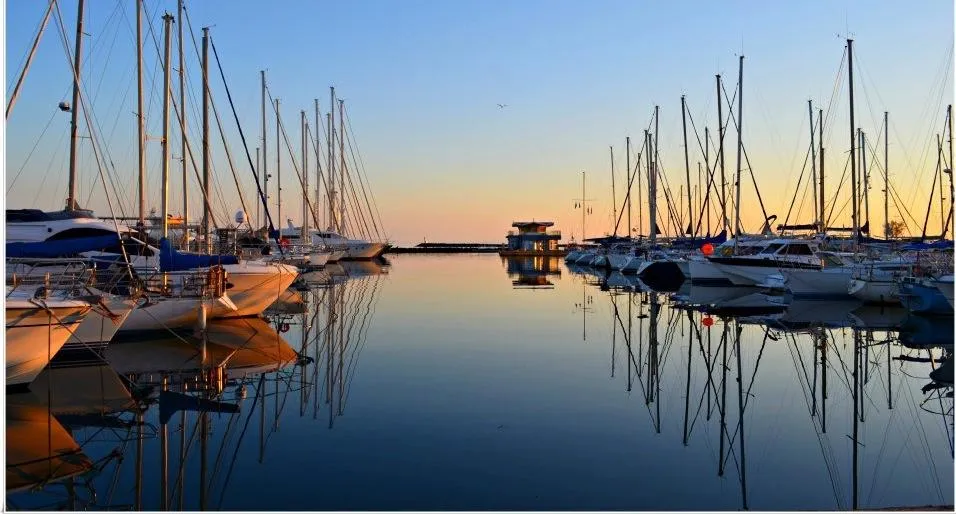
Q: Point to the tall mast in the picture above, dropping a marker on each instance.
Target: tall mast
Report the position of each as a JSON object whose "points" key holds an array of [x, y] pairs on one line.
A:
{"points": [[627, 151], [813, 166], [823, 214], [583, 206], [265, 152], [720, 152], [75, 108], [866, 179], [613, 192], [853, 192], [651, 189], [690, 208], [886, 174], [167, 28], [140, 122], [318, 163], [949, 120], [740, 144], [342, 167], [657, 111], [333, 220], [206, 215], [182, 111], [328, 169], [259, 221], [706, 192], [305, 182], [278, 173]]}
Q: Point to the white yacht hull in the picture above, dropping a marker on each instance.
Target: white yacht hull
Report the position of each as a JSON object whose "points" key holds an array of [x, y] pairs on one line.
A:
{"points": [[704, 272], [252, 287], [875, 291], [99, 327], [827, 283], [34, 334], [572, 256], [164, 313], [633, 265], [617, 261]]}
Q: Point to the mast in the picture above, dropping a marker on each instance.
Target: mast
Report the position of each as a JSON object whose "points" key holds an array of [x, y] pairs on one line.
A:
{"points": [[182, 111], [813, 167], [613, 192], [265, 152], [305, 182], [278, 173], [853, 193], [333, 222], [342, 167], [706, 209], [690, 207], [657, 111], [627, 151], [167, 22], [720, 152], [318, 163], [583, 206], [823, 216], [866, 180], [140, 122], [949, 119], [886, 175], [651, 190], [740, 144], [206, 215], [71, 204]]}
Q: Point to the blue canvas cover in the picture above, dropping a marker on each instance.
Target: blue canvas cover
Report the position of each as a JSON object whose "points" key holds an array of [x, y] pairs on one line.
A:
{"points": [[172, 260]]}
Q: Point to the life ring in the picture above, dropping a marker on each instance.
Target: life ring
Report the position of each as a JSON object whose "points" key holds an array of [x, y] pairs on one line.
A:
{"points": [[284, 242], [283, 327]]}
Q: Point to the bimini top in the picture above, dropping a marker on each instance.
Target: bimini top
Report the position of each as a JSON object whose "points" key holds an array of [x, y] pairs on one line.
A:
{"points": [[27, 215]]}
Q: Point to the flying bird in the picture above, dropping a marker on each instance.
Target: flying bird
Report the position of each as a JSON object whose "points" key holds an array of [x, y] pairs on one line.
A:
{"points": [[502, 106]]}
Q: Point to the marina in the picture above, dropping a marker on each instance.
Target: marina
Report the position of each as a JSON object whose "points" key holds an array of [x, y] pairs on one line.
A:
{"points": [[214, 300], [604, 396]]}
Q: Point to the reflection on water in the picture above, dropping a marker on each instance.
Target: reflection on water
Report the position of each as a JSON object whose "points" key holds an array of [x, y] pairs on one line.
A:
{"points": [[532, 272], [437, 385]]}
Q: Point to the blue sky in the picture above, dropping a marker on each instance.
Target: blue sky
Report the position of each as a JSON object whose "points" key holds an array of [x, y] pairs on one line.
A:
{"points": [[422, 79]]}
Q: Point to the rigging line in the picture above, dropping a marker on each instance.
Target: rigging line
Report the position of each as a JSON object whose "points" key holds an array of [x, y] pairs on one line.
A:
{"points": [[222, 133], [225, 486], [295, 165], [32, 150], [796, 189], [27, 60], [59, 146], [245, 146], [846, 166], [711, 172], [363, 171], [749, 166], [358, 173], [356, 208]]}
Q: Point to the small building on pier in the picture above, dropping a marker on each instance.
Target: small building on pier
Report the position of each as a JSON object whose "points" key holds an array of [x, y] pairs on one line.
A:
{"points": [[533, 238]]}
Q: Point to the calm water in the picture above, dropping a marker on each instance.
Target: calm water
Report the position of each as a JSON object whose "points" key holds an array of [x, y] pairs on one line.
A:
{"points": [[456, 382]]}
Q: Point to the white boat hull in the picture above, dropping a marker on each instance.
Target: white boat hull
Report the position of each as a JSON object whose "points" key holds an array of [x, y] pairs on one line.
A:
{"points": [[633, 265], [166, 313], [617, 261], [827, 283], [35, 335], [99, 327], [704, 272], [252, 287], [875, 291]]}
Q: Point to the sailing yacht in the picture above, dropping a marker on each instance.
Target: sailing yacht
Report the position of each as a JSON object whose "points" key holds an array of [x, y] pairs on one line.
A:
{"points": [[354, 249], [37, 327], [751, 270]]}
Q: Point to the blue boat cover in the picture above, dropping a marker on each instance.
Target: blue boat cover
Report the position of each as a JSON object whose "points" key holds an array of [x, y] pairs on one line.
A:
{"points": [[936, 245], [171, 260], [697, 242], [61, 247]]}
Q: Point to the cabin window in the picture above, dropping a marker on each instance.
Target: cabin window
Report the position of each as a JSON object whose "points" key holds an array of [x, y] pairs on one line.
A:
{"points": [[771, 249], [76, 233], [798, 249]]}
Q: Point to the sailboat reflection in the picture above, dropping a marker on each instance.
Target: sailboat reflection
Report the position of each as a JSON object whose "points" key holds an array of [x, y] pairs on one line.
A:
{"points": [[841, 356], [532, 272]]}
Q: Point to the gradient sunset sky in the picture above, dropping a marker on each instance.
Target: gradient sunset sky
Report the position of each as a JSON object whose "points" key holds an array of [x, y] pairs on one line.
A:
{"points": [[422, 80]]}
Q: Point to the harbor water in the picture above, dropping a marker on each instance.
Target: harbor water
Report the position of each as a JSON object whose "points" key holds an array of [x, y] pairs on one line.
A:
{"points": [[473, 382]]}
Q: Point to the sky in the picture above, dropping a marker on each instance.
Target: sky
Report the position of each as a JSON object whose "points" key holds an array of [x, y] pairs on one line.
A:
{"points": [[422, 79]]}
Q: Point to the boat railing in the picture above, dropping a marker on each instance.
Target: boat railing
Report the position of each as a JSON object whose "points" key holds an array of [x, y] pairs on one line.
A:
{"points": [[204, 283]]}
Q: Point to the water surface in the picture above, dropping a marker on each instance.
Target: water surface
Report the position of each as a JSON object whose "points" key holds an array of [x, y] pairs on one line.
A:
{"points": [[468, 382]]}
